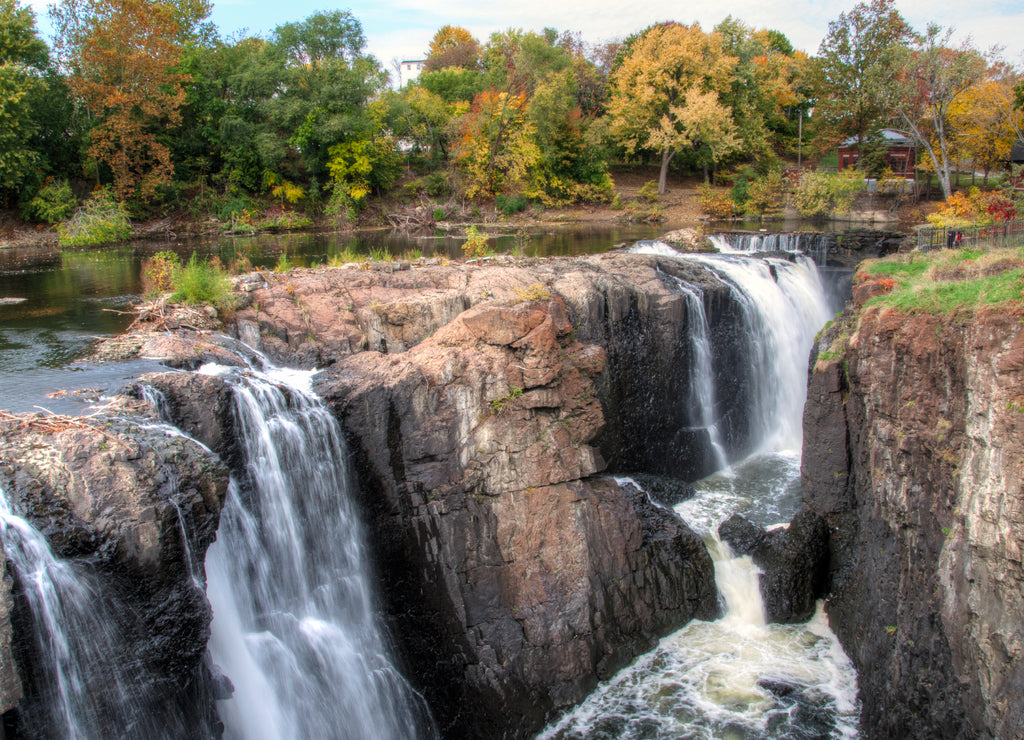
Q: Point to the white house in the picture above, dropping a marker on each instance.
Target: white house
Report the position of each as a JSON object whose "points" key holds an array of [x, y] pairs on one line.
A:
{"points": [[409, 70]]}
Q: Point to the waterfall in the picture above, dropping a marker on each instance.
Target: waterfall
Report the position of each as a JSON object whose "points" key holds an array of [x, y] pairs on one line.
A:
{"points": [[814, 244], [783, 305], [295, 626], [702, 387], [736, 677], [84, 688]]}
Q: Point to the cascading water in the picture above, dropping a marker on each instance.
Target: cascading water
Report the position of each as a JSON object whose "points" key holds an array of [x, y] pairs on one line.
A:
{"points": [[84, 689], [295, 627], [703, 388], [813, 244], [739, 677]]}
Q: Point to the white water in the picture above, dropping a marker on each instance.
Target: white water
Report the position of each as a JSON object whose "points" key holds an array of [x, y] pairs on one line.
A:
{"points": [[703, 387], [295, 626], [77, 634], [738, 677]]}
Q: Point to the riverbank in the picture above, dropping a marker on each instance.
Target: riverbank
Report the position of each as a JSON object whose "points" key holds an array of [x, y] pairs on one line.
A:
{"points": [[678, 207]]}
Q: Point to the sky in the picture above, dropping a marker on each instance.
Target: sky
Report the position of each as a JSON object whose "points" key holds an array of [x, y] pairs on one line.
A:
{"points": [[402, 29]]}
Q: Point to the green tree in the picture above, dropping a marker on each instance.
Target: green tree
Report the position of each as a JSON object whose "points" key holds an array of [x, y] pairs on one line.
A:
{"points": [[851, 70], [23, 58], [664, 95]]}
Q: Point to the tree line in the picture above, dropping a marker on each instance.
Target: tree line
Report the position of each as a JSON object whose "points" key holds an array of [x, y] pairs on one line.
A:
{"points": [[145, 101]]}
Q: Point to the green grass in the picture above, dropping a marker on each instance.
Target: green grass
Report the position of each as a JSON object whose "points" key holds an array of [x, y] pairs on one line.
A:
{"points": [[950, 281], [199, 282]]}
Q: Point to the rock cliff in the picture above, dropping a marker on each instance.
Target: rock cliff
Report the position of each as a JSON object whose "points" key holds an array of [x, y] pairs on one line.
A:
{"points": [[531, 578], [913, 452], [116, 497]]}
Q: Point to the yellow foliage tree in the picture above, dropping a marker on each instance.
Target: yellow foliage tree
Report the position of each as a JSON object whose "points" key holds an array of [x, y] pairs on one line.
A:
{"points": [[664, 94], [985, 123], [453, 46], [496, 148]]}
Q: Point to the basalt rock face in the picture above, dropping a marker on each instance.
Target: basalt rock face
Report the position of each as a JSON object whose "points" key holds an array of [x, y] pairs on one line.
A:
{"points": [[514, 579], [118, 496], [793, 562], [913, 452], [630, 305]]}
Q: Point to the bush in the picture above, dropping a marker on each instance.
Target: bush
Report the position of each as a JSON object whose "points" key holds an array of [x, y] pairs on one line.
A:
{"points": [[158, 272], [510, 204], [101, 220], [475, 244], [439, 214], [716, 203], [824, 194], [200, 282], [53, 204], [437, 185], [766, 194], [649, 192]]}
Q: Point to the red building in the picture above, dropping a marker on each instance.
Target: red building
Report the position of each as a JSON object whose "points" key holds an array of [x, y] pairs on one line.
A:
{"points": [[901, 159]]}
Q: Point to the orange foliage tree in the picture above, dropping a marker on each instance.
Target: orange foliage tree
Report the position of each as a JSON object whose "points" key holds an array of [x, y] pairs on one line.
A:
{"points": [[124, 58]]}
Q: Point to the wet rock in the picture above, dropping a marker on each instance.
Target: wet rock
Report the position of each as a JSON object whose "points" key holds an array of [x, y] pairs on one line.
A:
{"points": [[118, 496], [793, 562], [665, 490]]}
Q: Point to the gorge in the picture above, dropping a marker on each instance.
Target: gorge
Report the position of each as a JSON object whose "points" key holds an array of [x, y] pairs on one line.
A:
{"points": [[480, 405]]}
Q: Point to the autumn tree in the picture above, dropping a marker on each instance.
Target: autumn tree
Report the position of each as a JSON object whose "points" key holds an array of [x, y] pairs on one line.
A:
{"points": [[124, 59], [453, 46], [984, 122], [664, 95], [925, 81], [496, 149], [851, 70], [23, 58]]}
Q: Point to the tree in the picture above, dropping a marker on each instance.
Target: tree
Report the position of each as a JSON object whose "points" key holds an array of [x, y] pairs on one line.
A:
{"points": [[124, 59], [23, 58], [453, 46], [984, 122], [851, 70], [664, 95], [924, 82], [496, 147]]}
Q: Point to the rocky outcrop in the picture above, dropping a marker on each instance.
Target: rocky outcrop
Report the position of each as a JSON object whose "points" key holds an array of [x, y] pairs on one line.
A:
{"points": [[120, 496], [793, 561], [531, 578], [913, 453], [630, 305]]}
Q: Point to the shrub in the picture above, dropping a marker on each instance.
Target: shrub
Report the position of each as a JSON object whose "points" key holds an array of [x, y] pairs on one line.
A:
{"points": [[475, 244], [649, 192], [439, 214], [766, 194], [283, 263], [824, 194], [510, 204], [437, 185], [716, 203], [53, 204], [199, 282], [101, 220], [158, 272]]}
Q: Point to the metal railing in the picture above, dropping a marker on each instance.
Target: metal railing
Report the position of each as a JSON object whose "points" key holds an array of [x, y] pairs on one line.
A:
{"points": [[982, 236]]}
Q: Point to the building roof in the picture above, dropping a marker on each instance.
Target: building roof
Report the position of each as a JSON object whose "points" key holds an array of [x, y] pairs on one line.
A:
{"points": [[1017, 153], [890, 135]]}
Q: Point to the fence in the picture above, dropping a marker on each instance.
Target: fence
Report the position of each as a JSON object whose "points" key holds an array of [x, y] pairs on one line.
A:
{"points": [[988, 236]]}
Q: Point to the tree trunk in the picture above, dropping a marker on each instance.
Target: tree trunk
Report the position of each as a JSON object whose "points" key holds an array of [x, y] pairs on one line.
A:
{"points": [[666, 157]]}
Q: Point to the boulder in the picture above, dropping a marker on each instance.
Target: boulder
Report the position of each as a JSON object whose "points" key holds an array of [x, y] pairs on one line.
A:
{"points": [[793, 562], [514, 578]]}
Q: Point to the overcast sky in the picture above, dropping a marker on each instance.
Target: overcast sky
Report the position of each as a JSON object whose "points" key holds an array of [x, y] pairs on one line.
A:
{"points": [[402, 28]]}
